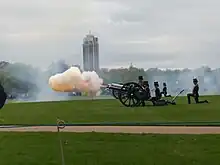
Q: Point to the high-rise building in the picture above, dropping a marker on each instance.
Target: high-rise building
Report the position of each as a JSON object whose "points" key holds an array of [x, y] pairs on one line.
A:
{"points": [[90, 53]]}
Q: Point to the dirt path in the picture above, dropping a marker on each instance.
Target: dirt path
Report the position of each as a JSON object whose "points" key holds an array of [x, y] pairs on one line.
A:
{"points": [[120, 129]]}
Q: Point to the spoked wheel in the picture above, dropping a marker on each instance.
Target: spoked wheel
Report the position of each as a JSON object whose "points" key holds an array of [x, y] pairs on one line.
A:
{"points": [[115, 93], [130, 95]]}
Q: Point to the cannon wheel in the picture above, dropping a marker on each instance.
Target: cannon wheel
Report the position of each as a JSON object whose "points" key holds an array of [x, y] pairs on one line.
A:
{"points": [[128, 95], [115, 93]]}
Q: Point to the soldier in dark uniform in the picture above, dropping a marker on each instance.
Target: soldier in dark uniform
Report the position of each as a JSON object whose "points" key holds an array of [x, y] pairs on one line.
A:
{"points": [[140, 80], [147, 89], [3, 97], [141, 83], [158, 95], [164, 92], [195, 93], [157, 101]]}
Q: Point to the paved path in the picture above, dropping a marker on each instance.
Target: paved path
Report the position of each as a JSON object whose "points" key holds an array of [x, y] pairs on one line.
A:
{"points": [[120, 129]]}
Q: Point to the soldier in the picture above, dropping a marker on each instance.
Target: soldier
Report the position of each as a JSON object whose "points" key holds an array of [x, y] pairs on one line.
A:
{"points": [[147, 89], [157, 92], [157, 101], [164, 92], [3, 97], [141, 83], [140, 80], [195, 93]]}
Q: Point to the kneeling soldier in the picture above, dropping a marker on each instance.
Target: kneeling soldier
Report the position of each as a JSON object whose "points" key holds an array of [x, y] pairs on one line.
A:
{"points": [[195, 93]]}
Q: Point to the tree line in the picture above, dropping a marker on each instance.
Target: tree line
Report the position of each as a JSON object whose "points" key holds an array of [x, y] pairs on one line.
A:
{"points": [[25, 80]]}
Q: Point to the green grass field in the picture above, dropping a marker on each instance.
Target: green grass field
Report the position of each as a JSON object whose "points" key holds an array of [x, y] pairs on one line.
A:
{"points": [[107, 111], [109, 149]]}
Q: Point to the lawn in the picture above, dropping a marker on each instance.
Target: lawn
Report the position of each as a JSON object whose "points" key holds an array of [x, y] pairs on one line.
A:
{"points": [[107, 111], [109, 149]]}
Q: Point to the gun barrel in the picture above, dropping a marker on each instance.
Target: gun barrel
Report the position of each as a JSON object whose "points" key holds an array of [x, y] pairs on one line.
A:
{"points": [[116, 85], [113, 86]]}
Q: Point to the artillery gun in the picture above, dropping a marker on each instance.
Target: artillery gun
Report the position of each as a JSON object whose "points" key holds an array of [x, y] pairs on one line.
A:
{"points": [[131, 94]]}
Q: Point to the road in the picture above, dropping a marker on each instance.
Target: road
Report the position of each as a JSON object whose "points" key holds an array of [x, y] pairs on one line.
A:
{"points": [[120, 129]]}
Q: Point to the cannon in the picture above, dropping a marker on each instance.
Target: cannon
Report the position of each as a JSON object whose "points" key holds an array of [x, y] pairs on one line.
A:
{"points": [[129, 94]]}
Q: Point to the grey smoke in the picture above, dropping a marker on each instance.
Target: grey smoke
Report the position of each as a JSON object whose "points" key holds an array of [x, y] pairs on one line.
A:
{"points": [[176, 80], [209, 81], [37, 80]]}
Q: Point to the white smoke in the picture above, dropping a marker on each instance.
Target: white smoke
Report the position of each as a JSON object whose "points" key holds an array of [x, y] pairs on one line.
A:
{"points": [[73, 80]]}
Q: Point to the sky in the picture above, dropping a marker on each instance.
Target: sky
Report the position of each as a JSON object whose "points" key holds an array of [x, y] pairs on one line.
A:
{"points": [[147, 33]]}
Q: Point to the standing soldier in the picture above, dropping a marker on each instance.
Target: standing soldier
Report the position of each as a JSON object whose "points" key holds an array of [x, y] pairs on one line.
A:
{"points": [[195, 93], [147, 89], [141, 83], [140, 80]]}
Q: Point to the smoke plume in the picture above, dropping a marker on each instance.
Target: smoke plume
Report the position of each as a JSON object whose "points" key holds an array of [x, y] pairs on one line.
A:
{"points": [[73, 80]]}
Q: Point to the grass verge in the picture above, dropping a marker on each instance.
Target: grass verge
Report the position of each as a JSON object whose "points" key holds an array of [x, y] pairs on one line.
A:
{"points": [[107, 111], [108, 149]]}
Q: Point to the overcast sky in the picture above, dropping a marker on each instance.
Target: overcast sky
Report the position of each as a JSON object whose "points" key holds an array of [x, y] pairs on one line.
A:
{"points": [[148, 33]]}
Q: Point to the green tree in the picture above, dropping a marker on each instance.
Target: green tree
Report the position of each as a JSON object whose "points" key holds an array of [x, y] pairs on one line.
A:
{"points": [[18, 77]]}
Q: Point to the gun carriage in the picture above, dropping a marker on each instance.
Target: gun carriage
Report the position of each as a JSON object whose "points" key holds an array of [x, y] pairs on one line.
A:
{"points": [[132, 94], [129, 94]]}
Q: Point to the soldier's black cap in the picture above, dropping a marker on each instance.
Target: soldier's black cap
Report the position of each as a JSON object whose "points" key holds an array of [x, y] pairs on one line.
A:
{"points": [[140, 78], [146, 83], [195, 80], [156, 83], [164, 84]]}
